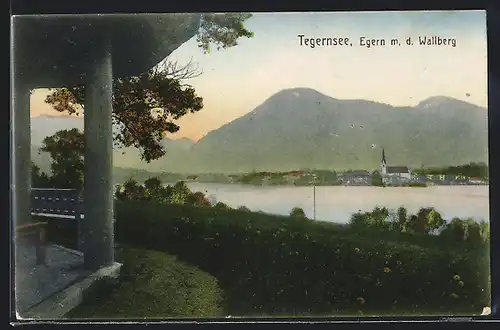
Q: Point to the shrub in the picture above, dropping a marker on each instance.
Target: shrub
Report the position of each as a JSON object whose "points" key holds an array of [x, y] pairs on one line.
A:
{"points": [[297, 212], [154, 285], [197, 199], [284, 265], [243, 208], [222, 206]]}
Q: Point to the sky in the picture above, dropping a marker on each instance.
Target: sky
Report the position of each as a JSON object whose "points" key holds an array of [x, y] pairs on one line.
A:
{"points": [[238, 79]]}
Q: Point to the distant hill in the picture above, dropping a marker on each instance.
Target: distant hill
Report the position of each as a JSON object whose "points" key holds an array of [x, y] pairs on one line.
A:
{"points": [[303, 128], [43, 126]]}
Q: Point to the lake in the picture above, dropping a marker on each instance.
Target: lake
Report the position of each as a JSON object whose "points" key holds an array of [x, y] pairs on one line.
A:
{"points": [[337, 203]]}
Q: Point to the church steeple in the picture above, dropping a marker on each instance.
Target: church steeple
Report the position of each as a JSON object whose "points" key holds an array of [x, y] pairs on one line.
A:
{"points": [[383, 163]]}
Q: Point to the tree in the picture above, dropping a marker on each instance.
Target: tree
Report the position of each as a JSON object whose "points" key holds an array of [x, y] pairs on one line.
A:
{"points": [[473, 231], [419, 223], [197, 199], [455, 230], [179, 193], [378, 217], [434, 220], [222, 206], [377, 179], [66, 147], [358, 220], [485, 230], [402, 219], [39, 179], [131, 191], [153, 188], [243, 209], [223, 30], [413, 226], [146, 107], [297, 212]]}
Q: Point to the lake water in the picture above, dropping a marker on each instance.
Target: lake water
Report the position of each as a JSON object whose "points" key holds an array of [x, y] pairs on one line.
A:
{"points": [[337, 203]]}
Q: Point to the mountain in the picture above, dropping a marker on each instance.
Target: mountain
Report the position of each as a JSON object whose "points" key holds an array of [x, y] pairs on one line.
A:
{"points": [[43, 126], [303, 128]]}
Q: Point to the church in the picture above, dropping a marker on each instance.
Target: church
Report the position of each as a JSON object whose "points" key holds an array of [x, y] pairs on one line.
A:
{"points": [[393, 171]]}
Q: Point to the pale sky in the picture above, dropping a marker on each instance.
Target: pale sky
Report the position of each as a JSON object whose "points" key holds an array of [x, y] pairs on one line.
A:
{"points": [[238, 79]]}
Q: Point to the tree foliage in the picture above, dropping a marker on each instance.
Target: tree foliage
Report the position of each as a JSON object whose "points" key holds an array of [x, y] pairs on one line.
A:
{"points": [[197, 199], [223, 30], [154, 190], [402, 219], [434, 220], [470, 170], [40, 179], [66, 148], [425, 221], [297, 212], [377, 179], [147, 106], [467, 230], [243, 208]]}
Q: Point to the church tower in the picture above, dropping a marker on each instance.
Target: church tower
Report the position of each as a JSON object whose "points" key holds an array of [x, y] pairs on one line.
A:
{"points": [[383, 163]]}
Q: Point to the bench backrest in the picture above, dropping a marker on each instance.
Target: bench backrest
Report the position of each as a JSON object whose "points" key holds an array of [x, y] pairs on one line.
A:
{"points": [[56, 201]]}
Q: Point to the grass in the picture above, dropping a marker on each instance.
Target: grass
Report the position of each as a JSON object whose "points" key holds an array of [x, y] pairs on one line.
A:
{"points": [[274, 265], [153, 285], [280, 266]]}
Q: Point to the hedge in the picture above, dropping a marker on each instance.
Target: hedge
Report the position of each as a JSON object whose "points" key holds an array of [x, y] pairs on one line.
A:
{"points": [[153, 284], [278, 265]]}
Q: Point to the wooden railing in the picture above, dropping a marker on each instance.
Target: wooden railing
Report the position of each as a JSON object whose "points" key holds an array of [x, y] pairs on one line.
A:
{"points": [[57, 203]]}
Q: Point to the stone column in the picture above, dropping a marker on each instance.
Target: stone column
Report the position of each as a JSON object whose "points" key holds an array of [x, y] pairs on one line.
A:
{"points": [[20, 146], [20, 139], [97, 225]]}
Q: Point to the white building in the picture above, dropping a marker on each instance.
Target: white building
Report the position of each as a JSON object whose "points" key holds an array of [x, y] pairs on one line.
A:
{"points": [[393, 171]]}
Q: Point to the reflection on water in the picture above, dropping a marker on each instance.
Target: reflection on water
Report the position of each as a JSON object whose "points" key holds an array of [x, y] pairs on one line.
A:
{"points": [[338, 203]]}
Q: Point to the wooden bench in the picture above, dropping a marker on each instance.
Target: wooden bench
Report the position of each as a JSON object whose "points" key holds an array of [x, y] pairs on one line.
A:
{"points": [[52, 203]]}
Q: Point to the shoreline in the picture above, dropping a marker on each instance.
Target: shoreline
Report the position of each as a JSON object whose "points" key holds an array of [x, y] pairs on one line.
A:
{"points": [[338, 185]]}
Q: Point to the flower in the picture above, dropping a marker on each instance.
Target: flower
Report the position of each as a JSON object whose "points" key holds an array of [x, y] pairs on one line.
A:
{"points": [[456, 277], [357, 250], [361, 300], [461, 283], [454, 296], [387, 270]]}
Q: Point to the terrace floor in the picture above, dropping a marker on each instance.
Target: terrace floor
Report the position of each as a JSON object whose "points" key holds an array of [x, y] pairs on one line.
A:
{"points": [[36, 283]]}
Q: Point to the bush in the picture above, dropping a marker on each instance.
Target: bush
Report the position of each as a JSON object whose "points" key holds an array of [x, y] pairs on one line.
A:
{"points": [[282, 265], [222, 206], [297, 212], [154, 285], [197, 199], [243, 208]]}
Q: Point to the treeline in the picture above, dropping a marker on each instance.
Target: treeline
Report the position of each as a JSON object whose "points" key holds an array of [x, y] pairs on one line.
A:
{"points": [[479, 170], [318, 177], [154, 190], [427, 221], [179, 193], [121, 175]]}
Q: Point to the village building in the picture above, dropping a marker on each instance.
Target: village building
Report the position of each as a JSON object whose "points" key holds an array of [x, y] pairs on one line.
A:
{"points": [[293, 176], [402, 172], [356, 178], [192, 177]]}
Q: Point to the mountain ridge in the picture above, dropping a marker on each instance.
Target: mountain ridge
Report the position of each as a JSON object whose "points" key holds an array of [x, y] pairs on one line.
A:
{"points": [[311, 129]]}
